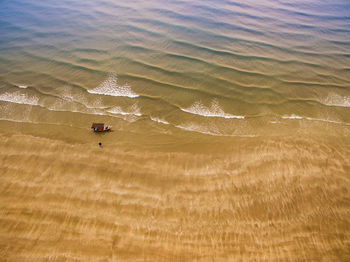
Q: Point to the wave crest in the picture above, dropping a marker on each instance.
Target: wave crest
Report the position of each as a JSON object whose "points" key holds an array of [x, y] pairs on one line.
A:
{"points": [[134, 110], [110, 87], [334, 99], [158, 120], [213, 111], [200, 129], [19, 98], [211, 130]]}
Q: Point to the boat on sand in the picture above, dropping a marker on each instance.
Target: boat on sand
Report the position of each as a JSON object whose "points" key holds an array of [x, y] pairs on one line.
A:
{"points": [[100, 127]]}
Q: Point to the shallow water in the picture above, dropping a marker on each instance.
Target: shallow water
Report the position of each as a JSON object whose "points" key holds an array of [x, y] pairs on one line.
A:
{"points": [[231, 130], [213, 67]]}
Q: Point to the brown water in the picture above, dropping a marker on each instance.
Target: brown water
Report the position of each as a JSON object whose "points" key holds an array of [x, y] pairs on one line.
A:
{"points": [[230, 141]]}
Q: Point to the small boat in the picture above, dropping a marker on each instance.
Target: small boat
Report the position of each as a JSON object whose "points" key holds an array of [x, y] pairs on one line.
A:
{"points": [[100, 127]]}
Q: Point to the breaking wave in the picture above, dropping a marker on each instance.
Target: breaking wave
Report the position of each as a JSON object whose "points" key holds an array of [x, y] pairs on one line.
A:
{"points": [[213, 111], [334, 99], [134, 110], [19, 98], [110, 87], [200, 129], [158, 120], [24, 87]]}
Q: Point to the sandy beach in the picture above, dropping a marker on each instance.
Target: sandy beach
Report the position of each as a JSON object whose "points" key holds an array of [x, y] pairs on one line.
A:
{"points": [[277, 200]]}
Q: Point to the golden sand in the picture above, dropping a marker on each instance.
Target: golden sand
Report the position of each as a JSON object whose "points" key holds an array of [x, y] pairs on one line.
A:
{"points": [[273, 200]]}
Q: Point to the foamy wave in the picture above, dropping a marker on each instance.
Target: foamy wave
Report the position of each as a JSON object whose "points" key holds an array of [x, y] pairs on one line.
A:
{"points": [[292, 117], [314, 119], [212, 131], [198, 129], [213, 111], [110, 88], [158, 120], [133, 110], [19, 98], [24, 87], [327, 120], [337, 100]]}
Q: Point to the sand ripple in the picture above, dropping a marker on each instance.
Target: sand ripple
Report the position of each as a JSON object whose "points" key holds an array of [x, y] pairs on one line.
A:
{"points": [[271, 200]]}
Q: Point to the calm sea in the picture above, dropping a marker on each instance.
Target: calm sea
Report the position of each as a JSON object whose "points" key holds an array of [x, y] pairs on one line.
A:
{"points": [[160, 71]]}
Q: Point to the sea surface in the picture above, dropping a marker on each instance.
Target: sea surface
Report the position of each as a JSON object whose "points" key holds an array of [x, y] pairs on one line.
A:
{"points": [[230, 132], [177, 68]]}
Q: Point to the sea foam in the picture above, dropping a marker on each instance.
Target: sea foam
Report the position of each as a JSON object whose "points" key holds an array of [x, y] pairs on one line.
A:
{"points": [[134, 110], [292, 117], [327, 121], [19, 98], [199, 129], [314, 119], [209, 130], [213, 111], [334, 99], [110, 87], [158, 120]]}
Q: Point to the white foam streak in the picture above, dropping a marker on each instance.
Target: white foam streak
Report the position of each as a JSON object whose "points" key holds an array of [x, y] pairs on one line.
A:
{"points": [[134, 110], [19, 98], [208, 131], [158, 120], [23, 87], [213, 111], [327, 121], [196, 128], [292, 117], [313, 119], [109, 87]]}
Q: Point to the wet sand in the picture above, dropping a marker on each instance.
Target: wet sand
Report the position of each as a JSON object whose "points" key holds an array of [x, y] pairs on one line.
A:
{"points": [[276, 199]]}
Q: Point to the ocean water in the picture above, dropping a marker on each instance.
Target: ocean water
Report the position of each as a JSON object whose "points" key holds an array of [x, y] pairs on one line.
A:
{"points": [[177, 69]]}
